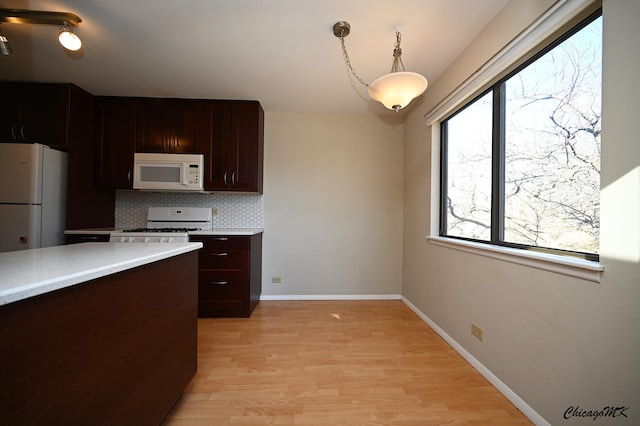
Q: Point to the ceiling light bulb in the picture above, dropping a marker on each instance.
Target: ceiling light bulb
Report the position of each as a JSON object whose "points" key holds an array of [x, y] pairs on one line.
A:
{"points": [[69, 40], [5, 47]]}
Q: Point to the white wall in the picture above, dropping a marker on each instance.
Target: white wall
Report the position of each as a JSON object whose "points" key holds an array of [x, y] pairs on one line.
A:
{"points": [[333, 204], [554, 340]]}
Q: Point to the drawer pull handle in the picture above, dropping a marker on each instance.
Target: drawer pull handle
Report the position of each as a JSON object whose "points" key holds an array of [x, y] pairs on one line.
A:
{"points": [[89, 238], [220, 254], [221, 239], [219, 282]]}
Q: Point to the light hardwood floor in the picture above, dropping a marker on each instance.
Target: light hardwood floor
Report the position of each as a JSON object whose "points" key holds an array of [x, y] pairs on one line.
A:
{"points": [[334, 363]]}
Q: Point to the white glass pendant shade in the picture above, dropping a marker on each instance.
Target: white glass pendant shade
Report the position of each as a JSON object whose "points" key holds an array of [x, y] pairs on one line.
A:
{"points": [[69, 40], [397, 89]]}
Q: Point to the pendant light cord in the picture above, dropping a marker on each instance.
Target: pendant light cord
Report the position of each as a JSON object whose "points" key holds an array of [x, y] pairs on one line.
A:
{"points": [[397, 65], [348, 61]]}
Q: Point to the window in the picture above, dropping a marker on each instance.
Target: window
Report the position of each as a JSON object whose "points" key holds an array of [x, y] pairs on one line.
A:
{"points": [[521, 162]]}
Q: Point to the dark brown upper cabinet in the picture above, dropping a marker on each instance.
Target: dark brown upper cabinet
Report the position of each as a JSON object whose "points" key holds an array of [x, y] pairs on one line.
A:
{"points": [[35, 113], [169, 125], [115, 139], [233, 146], [229, 133]]}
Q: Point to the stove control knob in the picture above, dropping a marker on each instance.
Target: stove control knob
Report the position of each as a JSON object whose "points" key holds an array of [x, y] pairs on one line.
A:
{"points": [[131, 240], [147, 239]]}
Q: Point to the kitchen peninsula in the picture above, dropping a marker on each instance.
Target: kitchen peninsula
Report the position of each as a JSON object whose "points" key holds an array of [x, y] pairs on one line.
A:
{"points": [[100, 333]]}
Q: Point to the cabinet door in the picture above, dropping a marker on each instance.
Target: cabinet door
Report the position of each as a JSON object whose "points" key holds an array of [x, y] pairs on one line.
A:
{"points": [[187, 128], [9, 113], [153, 131], [170, 125], [45, 114], [247, 147], [34, 112], [215, 145], [115, 139]]}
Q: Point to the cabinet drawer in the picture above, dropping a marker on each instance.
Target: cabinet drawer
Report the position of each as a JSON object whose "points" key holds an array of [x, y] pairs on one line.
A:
{"points": [[223, 298], [219, 289], [86, 238], [223, 262], [222, 242]]}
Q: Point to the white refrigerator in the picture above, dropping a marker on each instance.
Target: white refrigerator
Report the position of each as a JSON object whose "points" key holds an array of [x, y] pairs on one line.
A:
{"points": [[33, 196]]}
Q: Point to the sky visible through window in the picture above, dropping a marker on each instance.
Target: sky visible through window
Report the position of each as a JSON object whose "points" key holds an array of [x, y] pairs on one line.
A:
{"points": [[552, 152]]}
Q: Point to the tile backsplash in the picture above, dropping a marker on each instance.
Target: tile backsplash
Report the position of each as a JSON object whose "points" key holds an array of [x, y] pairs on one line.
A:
{"points": [[234, 210]]}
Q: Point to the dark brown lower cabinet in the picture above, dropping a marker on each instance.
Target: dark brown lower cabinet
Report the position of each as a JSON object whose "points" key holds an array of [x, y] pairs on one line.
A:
{"points": [[117, 350], [229, 275]]}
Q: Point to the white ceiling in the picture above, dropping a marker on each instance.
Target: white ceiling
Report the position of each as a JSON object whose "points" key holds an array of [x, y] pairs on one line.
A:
{"points": [[280, 52]]}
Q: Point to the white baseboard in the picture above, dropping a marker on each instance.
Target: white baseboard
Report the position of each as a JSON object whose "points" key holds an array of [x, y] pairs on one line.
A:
{"points": [[330, 297], [525, 408]]}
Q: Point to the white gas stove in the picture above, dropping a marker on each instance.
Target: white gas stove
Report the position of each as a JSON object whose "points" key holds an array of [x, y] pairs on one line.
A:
{"points": [[166, 225]]}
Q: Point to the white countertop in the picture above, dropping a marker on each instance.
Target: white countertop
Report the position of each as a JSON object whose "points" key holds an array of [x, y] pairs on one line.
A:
{"points": [[28, 273]]}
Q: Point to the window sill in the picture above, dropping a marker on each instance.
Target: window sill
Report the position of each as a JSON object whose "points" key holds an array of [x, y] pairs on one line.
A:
{"points": [[578, 268]]}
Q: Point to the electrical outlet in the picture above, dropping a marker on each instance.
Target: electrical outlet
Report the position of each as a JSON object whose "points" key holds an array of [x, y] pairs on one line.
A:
{"points": [[276, 280], [477, 332], [214, 211]]}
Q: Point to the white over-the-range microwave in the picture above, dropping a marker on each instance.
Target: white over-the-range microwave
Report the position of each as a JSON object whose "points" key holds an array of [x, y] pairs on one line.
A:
{"points": [[168, 172]]}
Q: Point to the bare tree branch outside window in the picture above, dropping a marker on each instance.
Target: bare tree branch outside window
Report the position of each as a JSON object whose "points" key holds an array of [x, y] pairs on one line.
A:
{"points": [[552, 152]]}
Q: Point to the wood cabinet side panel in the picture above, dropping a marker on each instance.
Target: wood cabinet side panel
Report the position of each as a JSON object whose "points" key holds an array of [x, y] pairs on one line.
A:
{"points": [[255, 271], [115, 350], [88, 206]]}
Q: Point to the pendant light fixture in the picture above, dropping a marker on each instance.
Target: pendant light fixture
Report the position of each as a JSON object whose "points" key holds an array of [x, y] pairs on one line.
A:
{"points": [[64, 20], [394, 90]]}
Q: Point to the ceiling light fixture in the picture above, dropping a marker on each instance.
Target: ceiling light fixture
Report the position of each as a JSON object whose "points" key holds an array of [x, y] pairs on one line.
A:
{"points": [[68, 39], [64, 20], [5, 47], [394, 90]]}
